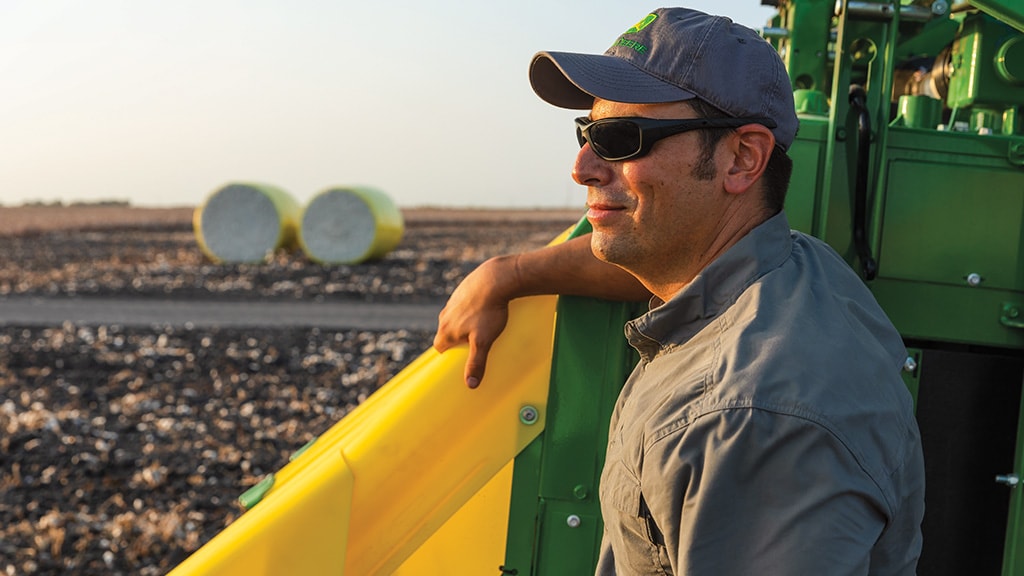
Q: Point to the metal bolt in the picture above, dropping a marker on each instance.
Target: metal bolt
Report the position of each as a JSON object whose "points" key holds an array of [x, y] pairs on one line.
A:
{"points": [[573, 521], [528, 415], [775, 32], [1010, 480], [909, 365], [939, 7], [974, 279]]}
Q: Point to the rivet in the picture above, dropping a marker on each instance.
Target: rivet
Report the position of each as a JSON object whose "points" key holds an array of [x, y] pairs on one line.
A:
{"points": [[974, 279], [580, 492], [573, 521]]}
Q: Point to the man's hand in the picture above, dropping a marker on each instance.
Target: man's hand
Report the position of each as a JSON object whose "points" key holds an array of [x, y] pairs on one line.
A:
{"points": [[477, 312]]}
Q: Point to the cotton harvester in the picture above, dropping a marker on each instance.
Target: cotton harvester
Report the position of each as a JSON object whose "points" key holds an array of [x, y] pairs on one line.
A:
{"points": [[909, 162]]}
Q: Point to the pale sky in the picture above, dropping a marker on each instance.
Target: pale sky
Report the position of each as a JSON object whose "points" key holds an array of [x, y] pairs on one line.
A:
{"points": [[161, 102]]}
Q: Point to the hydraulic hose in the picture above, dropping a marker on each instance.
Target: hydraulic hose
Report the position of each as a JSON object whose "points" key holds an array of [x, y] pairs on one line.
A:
{"points": [[858, 105]]}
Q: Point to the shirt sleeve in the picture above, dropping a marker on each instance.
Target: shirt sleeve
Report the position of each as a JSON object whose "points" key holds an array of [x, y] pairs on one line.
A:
{"points": [[752, 491]]}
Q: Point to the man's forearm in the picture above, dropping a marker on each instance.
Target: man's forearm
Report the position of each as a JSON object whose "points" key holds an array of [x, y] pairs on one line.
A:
{"points": [[571, 268]]}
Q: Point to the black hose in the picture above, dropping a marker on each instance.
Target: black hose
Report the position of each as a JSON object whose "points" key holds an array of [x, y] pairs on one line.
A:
{"points": [[858, 104]]}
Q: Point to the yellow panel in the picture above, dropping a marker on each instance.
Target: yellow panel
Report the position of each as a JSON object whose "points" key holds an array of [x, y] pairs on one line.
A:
{"points": [[427, 448], [472, 542], [300, 528]]}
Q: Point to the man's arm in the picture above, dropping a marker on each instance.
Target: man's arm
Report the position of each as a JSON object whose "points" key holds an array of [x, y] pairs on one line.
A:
{"points": [[477, 311]]}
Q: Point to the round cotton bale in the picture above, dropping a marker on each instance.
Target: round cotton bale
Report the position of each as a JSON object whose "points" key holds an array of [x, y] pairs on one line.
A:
{"points": [[246, 222], [350, 225]]}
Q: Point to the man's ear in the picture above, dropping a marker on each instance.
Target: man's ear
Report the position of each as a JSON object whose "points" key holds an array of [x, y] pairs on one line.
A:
{"points": [[749, 148]]}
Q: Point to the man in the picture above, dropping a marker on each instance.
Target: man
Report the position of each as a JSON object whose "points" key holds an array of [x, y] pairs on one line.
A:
{"points": [[766, 429]]}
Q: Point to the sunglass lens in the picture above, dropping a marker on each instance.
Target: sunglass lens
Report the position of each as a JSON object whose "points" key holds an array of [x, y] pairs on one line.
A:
{"points": [[615, 138]]}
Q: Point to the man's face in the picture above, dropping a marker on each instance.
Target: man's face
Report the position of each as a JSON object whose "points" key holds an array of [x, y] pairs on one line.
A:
{"points": [[651, 215]]}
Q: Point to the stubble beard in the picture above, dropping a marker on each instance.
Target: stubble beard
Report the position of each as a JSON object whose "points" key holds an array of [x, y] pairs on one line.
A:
{"points": [[615, 248]]}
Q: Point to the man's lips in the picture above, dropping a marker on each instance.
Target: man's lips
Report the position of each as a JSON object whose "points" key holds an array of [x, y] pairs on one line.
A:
{"points": [[601, 211]]}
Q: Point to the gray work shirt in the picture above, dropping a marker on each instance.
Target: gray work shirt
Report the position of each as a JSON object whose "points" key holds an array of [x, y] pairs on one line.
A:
{"points": [[766, 429]]}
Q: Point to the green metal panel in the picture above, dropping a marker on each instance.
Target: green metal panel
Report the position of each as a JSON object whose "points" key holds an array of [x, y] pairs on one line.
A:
{"points": [[923, 310], [954, 206], [944, 234], [805, 49], [808, 154], [1009, 11], [524, 509]]}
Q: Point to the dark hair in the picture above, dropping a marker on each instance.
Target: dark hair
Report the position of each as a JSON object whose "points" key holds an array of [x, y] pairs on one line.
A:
{"points": [[776, 174], [776, 179]]}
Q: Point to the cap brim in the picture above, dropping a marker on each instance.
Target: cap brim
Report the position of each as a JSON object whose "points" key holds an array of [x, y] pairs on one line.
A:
{"points": [[570, 80]]}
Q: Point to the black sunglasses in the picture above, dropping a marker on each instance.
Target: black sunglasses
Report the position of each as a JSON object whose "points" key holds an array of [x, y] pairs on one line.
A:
{"points": [[616, 139]]}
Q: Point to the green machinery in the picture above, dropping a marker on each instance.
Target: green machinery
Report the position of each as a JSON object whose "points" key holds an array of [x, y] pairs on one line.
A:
{"points": [[910, 163]]}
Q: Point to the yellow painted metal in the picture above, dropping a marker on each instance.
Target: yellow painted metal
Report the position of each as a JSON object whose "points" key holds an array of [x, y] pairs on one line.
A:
{"points": [[424, 452], [299, 528], [471, 542], [420, 458]]}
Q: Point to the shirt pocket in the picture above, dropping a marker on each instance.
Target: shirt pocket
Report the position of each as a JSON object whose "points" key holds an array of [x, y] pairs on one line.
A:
{"points": [[621, 489], [636, 541]]}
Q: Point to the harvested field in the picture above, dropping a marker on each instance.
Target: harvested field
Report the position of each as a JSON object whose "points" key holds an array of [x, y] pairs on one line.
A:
{"points": [[155, 254], [122, 450]]}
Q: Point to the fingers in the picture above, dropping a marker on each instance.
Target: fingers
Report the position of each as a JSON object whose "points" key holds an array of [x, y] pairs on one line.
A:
{"points": [[480, 332], [477, 362], [476, 313], [444, 338]]}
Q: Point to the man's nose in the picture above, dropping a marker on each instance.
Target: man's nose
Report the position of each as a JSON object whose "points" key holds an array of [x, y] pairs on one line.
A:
{"points": [[589, 169]]}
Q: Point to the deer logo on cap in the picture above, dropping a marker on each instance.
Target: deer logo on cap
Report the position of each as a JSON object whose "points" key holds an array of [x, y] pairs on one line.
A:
{"points": [[642, 24]]}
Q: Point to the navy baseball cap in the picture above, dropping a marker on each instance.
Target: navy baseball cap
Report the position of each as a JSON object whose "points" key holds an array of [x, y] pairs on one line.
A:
{"points": [[676, 54]]}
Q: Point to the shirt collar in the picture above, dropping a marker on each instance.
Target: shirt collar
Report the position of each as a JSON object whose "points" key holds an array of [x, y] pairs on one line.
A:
{"points": [[713, 290]]}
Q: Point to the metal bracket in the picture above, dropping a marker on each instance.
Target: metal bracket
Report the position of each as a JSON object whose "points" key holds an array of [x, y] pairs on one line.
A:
{"points": [[1013, 315], [1015, 153], [255, 494]]}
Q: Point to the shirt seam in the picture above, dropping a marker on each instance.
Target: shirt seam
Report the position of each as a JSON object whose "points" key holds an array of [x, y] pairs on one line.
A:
{"points": [[817, 420]]}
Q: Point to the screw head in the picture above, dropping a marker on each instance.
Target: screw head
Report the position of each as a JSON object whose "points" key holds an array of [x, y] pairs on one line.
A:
{"points": [[974, 279], [528, 415], [573, 521]]}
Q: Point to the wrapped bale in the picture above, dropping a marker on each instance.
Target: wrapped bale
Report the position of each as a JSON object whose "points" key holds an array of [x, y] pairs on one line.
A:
{"points": [[246, 222], [350, 225]]}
